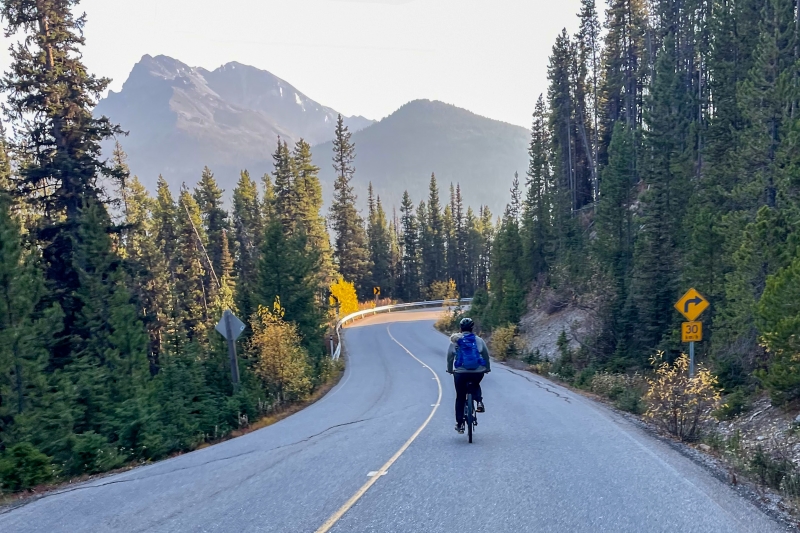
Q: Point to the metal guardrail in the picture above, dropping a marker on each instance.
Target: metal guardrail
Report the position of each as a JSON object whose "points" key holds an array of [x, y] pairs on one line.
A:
{"points": [[388, 309]]}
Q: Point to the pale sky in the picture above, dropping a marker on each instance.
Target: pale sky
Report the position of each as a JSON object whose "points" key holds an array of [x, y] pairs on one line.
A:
{"points": [[360, 57]]}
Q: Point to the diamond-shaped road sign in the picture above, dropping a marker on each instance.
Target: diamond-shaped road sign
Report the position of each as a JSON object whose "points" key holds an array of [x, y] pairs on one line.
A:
{"points": [[692, 305], [237, 326]]}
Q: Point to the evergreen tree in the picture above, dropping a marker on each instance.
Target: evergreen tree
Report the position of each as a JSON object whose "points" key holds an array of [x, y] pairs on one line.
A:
{"points": [[656, 263], [24, 333], [410, 272], [350, 251], [215, 219], [148, 266], [309, 206], [588, 40], [248, 228], [50, 99], [286, 198], [537, 216], [625, 63], [379, 245], [615, 232], [287, 271], [192, 291], [165, 222], [432, 239]]}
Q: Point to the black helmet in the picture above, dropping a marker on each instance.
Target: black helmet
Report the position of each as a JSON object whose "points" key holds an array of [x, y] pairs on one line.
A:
{"points": [[467, 324]]}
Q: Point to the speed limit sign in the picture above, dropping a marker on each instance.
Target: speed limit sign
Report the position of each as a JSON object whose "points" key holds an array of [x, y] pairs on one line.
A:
{"points": [[692, 332]]}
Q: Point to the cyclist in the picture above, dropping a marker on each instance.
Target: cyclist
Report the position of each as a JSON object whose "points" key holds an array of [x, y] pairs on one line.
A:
{"points": [[468, 360]]}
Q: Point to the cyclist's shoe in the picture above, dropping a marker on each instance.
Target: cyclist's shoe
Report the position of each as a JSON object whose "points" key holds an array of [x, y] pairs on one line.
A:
{"points": [[460, 427], [481, 408]]}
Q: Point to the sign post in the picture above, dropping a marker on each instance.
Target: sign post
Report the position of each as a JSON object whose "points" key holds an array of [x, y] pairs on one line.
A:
{"points": [[230, 327], [691, 306], [377, 292]]}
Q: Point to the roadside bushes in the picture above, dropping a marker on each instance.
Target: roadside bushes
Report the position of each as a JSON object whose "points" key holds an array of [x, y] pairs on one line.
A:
{"points": [[505, 343], [677, 403], [22, 467], [625, 390]]}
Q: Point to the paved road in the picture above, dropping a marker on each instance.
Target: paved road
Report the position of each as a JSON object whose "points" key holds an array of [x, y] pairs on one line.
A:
{"points": [[544, 460]]}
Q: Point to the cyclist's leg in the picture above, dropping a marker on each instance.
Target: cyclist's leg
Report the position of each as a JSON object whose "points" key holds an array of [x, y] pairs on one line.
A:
{"points": [[461, 396], [477, 394]]}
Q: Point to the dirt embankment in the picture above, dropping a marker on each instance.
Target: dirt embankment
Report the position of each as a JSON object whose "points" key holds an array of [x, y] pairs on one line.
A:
{"points": [[540, 330]]}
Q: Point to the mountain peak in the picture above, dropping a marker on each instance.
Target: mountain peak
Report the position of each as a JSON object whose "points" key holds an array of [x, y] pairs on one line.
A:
{"points": [[182, 118]]}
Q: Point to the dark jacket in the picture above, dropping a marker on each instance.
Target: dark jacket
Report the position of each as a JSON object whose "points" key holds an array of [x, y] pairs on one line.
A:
{"points": [[451, 355]]}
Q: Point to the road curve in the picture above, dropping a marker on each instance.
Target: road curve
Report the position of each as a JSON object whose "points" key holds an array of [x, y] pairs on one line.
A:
{"points": [[544, 460]]}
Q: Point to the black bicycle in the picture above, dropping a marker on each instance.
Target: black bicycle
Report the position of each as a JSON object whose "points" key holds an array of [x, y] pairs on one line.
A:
{"points": [[470, 416]]}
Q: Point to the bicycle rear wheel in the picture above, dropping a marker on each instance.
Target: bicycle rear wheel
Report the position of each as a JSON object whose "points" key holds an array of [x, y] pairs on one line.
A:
{"points": [[470, 418]]}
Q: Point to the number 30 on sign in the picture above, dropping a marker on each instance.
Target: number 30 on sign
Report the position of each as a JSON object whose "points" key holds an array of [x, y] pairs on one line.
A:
{"points": [[692, 332]]}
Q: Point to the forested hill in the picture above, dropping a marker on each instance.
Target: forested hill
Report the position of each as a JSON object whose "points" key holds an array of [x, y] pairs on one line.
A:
{"points": [[182, 118], [422, 137], [666, 155]]}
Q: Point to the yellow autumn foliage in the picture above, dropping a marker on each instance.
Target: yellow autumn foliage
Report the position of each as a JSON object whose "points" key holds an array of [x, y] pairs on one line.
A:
{"points": [[677, 403], [344, 293], [281, 362]]}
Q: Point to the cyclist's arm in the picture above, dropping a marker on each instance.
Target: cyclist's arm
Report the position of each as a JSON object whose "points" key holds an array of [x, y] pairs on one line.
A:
{"points": [[485, 354], [451, 355]]}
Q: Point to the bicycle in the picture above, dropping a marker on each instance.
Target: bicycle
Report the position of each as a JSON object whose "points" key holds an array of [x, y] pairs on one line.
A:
{"points": [[470, 416]]}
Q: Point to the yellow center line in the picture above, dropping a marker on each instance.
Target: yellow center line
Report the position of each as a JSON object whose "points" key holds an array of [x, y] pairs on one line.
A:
{"points": [[335, 517]]}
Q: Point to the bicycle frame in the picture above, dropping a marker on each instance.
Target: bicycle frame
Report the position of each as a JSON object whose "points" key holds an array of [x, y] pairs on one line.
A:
{"points": [[470, 416]]}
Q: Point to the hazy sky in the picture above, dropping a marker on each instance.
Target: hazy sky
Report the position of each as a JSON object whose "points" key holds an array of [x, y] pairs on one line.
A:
{"points": [[365, 57]]}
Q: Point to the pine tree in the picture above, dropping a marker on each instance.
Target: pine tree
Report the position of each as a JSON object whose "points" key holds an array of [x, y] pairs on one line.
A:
{"points": [[588, 40], [287, 271], [432, 239], [309, 206], [248, 227], [227, 279], [117, 345], [615, 234], [537, 212], [148, 266], [656, 263], [165, 220], [625, 63], [215, 219], [6, 184], [350, 249], [379, 245], [193, 294], [410, 271], [451, 237], [50, 99], [24, 333], [286, 200], [486, 229]]}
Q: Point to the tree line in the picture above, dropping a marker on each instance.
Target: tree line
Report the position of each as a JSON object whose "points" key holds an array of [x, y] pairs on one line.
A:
{"points": [[665, 156], [109, 294]]}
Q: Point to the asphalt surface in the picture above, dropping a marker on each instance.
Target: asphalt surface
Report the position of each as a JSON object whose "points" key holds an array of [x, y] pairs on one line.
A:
{"points": [[544, 460]]}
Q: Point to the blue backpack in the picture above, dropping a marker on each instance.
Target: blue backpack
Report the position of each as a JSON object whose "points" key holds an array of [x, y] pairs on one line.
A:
{"points": [[468, 358]]}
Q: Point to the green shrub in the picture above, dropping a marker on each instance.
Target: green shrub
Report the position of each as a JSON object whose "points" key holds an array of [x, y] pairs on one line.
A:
{"points": [[23, 466], [533, 358], [735, 404], [630, 400], [584, 378], [625, 390], [92, 454], [771, 471]]}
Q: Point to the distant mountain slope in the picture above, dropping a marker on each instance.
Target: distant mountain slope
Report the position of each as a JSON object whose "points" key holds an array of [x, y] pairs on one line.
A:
{"points": [[182, 118], [400, 152]]}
